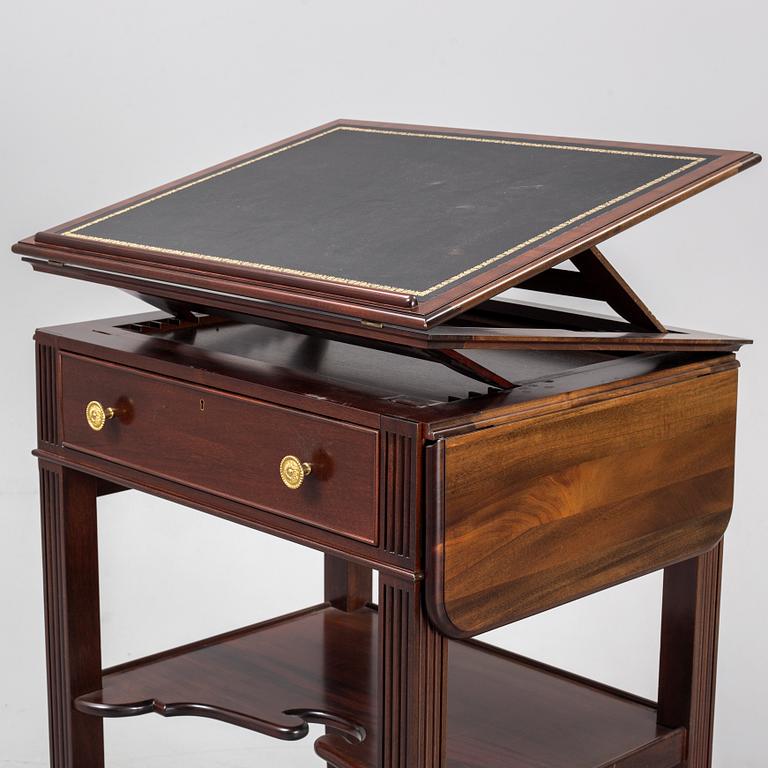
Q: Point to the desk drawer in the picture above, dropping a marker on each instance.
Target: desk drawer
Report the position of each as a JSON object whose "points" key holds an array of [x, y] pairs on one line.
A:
{"points": [[226, 444]]}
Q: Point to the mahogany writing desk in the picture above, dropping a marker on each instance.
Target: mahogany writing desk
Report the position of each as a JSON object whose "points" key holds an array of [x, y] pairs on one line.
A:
{"points": [[328, 364]]}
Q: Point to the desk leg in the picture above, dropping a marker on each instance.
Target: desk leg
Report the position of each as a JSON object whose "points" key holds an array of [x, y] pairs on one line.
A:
{"points": [[412, 679], [71, 578], [689, 627], [347, 585]]}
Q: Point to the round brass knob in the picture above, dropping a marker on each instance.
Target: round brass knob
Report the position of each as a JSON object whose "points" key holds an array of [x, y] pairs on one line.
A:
{"points": [[96, 415], [293, 471]]}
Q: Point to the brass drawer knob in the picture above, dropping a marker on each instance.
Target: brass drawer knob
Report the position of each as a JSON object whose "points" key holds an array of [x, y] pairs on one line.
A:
{"points": [[96, 415], [293, 471]]}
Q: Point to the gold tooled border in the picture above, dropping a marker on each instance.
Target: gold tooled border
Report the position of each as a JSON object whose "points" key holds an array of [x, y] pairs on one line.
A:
{"points": [[694, 160]]}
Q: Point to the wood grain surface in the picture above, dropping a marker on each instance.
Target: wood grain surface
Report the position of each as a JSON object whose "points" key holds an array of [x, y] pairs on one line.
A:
{"points": [[612, 465], [252, 302], [320, 665], [72, 631], [228, 444], [542, 511], [412, 674], [690, 622]]}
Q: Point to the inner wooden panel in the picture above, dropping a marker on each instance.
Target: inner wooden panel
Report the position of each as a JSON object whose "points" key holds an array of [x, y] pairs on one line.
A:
{"points": [[321, 666], [375, 371], [579, 500]]}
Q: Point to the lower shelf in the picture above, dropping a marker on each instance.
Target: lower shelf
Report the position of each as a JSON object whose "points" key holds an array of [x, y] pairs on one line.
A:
{"points": [[320, 666]]}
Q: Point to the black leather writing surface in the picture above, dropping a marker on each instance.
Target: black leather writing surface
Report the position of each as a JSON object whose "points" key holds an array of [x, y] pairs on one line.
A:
{"points": [[406, 211]]}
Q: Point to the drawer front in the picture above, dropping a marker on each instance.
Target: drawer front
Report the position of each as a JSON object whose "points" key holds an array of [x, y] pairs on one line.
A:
{"points": [[226, 444]]}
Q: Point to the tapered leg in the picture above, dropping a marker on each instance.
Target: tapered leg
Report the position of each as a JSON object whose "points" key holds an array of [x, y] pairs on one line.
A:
{"points": [[70, 564], [689, 629], [412, 679]]}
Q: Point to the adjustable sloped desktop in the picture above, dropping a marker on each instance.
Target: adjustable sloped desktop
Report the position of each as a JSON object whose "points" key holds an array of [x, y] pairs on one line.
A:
{"points": [[306, 293]]}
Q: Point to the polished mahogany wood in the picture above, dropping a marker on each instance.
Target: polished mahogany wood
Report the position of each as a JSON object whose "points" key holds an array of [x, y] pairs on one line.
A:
{"points": [[688, 666], [648, 476], [268, 677], [412, 702], [503, 711], [615, 291], [72, 631], [348, 586], [596, 279], [389, 686], [354, 384], [191, 434], [368, 324], [48, 427], [401, 484], [492, 243], [335, 297]]}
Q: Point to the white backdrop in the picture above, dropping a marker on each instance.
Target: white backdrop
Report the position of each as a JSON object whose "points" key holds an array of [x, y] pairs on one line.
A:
{"points": [[102, 100]]}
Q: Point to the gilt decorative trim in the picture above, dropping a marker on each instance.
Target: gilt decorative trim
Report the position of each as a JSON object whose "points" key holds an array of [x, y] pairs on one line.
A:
{"points": [[693, 160]]}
